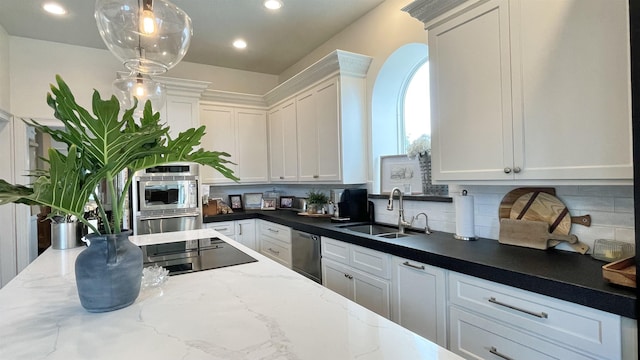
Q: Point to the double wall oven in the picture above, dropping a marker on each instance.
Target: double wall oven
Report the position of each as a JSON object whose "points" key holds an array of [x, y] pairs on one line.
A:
{"points": [[165, 199]]}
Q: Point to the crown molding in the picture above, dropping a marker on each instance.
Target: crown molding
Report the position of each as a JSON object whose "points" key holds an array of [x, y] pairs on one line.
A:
{"points": [[227, 97], [337, 62], [175, 86], [5, 116], [428, 10]]}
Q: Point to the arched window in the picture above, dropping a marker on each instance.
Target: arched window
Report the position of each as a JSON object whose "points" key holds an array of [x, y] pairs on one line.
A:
{"points": [[414, 119]]}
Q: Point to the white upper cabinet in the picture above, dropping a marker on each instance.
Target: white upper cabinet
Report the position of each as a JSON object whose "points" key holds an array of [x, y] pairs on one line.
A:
{"points": [[531, 90], [180, 110], [329, 115], [319, 133], [283, 145], [241, 132]]}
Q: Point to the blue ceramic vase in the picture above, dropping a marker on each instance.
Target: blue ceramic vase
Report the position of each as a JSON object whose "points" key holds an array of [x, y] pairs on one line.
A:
{"points": [[108, 272]]}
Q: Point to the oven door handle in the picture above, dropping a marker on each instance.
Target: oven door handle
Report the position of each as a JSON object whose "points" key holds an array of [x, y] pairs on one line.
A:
{"points": [[167, 216]]}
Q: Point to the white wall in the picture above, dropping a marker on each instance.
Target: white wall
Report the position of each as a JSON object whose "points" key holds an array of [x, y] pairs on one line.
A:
{"points": [[34, 64], [4, 70]]}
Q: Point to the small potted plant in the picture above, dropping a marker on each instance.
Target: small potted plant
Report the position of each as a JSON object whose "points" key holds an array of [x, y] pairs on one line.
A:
{"points": [[315, 201]]}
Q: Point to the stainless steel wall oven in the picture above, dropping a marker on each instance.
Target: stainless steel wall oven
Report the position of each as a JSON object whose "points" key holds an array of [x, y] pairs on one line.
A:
{"points": [[165, 198]]}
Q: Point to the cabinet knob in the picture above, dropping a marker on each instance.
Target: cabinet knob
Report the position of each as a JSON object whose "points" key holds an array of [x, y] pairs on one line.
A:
{"points": [[281, 177], [316, 176], [516, 169], [507, 170]]}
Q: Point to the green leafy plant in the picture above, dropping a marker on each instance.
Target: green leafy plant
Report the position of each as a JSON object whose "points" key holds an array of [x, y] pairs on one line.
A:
{"points": [[317, 197], [100, 146]]}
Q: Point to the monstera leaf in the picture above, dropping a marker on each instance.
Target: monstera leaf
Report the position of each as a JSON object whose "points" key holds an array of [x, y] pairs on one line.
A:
{"points": [[100, 145]]}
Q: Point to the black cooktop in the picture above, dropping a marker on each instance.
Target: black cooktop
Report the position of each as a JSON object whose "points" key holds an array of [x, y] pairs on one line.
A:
{"points": [[216, 255]]}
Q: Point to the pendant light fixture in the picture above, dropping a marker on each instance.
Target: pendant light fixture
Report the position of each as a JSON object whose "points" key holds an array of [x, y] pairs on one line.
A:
{"points": [[148, 36], [143, 88]]}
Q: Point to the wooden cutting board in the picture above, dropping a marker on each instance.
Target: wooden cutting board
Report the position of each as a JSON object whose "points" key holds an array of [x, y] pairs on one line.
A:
{"points": [[541, 206], [504, 210], [533, 234]]}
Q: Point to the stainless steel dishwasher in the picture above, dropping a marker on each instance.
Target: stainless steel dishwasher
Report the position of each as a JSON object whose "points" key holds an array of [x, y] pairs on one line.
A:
{"points": [[305, 255]]}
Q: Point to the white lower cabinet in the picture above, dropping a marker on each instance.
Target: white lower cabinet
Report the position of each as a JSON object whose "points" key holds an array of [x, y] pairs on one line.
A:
{"points": [[476, 337], [490, 320], [242, 231], [419, 299], [245, 233], [274, 241], [357, 273]]}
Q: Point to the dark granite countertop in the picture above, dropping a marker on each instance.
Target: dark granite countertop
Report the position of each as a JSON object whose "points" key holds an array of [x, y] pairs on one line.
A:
{"points": [[560, 274]]}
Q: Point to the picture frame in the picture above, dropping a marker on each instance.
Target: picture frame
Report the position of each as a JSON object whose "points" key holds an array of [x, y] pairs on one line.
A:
{"points": [[268, 203], [235, 202], [286, 202], [252, 201], [402, 172]]}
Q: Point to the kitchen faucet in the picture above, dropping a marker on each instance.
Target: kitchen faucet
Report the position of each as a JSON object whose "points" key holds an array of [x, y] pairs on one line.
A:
{"points": [[401, 221], [426, 223]]}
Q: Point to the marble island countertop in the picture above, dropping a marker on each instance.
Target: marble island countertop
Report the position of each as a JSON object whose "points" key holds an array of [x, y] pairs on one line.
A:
{"points": [[260, 310]]}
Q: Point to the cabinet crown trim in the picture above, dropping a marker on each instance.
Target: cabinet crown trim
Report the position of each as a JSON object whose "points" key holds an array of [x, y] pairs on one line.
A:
{"points": [[228, 97], [428, 10], [176, 86], [338, 61], [4, 116]]}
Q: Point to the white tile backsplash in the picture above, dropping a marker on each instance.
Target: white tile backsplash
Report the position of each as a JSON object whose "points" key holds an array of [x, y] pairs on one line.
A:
{"points": [[610, 207]]}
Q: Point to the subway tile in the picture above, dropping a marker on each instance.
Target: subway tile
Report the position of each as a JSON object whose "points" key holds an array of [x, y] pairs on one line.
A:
{"points": [[625, 234], [610, 219], [624, 205], [585, 203]]}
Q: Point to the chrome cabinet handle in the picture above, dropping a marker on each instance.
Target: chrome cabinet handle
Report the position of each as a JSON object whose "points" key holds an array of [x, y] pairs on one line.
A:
{"points": [[274, 251], [541, 315], [281, 177], [239, 229], [273, 230], [348, 276], [507, 170], [316, 176], [406, 263], [517, 169], [221, 229], [495, 352]]}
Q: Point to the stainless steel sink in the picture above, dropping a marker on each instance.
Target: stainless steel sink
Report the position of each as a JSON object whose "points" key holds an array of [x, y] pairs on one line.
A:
{"points": [[395, 235], [371, 229], [388, 232]]}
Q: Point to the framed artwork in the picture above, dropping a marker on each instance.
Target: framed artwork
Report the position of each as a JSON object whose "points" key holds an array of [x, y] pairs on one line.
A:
{"points": [[286, 202], [253, 200], [402, 172], [235, 201], [268, 204]]}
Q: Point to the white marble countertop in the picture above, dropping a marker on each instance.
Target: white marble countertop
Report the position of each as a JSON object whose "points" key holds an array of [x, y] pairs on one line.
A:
{"points": [[259, 310]]}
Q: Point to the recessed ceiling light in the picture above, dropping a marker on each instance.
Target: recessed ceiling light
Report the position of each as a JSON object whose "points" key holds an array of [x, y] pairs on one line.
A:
{"points": [[240, 44], [54, 8], [273, 4]]}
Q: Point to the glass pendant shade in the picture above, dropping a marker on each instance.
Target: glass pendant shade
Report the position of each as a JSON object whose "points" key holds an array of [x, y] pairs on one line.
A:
{"points": [[148, 36], [141, 87]]}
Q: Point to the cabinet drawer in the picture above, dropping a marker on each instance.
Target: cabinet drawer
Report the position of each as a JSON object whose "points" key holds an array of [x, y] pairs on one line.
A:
{"points": [[223, 227], [475, 337], [559, 321], [334, 249], [371, 261], [275, 231], [276, 251]]}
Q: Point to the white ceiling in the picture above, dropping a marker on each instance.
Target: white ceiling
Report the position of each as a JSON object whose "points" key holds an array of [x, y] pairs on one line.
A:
{"points": [[276, 40]]}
